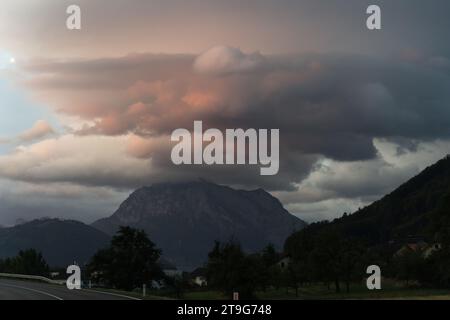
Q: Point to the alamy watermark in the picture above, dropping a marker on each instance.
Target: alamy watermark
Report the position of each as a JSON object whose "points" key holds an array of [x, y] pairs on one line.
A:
{"points": [[74, 280], [73, 21], [374, 280], [234, 147], [374, 20]]}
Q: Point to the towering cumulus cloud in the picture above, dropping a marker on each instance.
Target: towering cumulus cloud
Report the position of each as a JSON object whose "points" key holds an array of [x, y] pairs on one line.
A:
{"points": [[223, 60], [373, 106], [326, 106]]}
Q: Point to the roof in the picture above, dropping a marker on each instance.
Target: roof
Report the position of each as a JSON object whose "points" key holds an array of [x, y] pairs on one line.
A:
{"points": [[199, 272]]}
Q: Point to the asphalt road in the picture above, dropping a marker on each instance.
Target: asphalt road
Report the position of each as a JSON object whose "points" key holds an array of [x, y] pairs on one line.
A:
{"points": [[24, 290]]}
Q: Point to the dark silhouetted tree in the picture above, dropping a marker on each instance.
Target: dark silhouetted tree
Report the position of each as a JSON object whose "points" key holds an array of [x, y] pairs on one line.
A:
{"points": [[129, 262], [230, 270], [27, 262]]}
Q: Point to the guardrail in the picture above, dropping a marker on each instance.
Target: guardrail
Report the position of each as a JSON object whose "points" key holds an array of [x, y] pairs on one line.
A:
{"points": [[34, 278]]}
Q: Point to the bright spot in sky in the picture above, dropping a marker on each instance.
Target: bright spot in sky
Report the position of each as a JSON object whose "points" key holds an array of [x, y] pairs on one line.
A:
{"points": [[6, 60]]}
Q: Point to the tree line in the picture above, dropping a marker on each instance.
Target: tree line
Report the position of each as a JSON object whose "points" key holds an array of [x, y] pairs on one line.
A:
{"points": [[324, 254], [319, 254], [27, 262]]}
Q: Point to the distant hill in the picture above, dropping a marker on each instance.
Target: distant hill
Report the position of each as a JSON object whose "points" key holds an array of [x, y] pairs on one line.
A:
{"points": [[184, 219], [61, 242], [419, 208]]}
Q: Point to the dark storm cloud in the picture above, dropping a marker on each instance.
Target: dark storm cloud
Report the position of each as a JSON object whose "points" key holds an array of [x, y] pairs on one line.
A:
{"points": [[329, 106], [357, 85]]}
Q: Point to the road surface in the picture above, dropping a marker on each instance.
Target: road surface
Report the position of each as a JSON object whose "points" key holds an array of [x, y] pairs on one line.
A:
{"points": [[25, 290]]}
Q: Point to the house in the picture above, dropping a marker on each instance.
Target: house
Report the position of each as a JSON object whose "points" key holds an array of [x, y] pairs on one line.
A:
{"points": [[284, 262], [200, 281], [431, 249], [198, 277], [425, 249], [173, 273], [157, 284], [169, 269], [411, 247]]}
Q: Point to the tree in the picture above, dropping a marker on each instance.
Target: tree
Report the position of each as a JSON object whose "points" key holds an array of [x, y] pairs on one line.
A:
{"points": [[324, 253], [268, 270], [230, 270], [270, 256], [438, 264], [441, 267], [179, 284], [28, 262], [294, 275], [409, 264], [351, 262], [129, 262], [325, 258]]}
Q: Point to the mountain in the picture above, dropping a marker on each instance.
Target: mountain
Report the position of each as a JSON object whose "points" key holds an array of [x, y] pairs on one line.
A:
{"points": [[184, 219], [419, 208], [61, 242]]}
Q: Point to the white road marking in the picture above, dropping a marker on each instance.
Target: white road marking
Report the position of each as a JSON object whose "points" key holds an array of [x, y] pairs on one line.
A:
{"points": [[32, 290], [112, 294]]}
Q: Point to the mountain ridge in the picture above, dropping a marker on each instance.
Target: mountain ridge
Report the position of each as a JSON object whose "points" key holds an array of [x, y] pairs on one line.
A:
{"points": [[184, 219], [420, 207], [62, 242]]}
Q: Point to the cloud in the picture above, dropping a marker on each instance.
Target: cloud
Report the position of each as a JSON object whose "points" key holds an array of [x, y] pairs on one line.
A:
{"points": [[335, 187], [40, 129], [27, 201], [347, 99], [124, 163], [332, 109], [77, 160], [146, 148], [328, 209], [224, 60], [332, 112], [68, 172], [326, 106]]}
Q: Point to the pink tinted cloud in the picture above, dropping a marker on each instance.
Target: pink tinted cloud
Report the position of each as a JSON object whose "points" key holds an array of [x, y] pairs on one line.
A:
{"points": [[325, 105]]}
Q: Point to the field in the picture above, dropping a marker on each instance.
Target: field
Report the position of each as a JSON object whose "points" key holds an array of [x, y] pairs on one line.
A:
{"points": [[391, 291]]}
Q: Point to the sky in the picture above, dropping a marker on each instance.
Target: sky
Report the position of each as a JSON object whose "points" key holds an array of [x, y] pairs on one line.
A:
{"points": [[86, 115]]}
